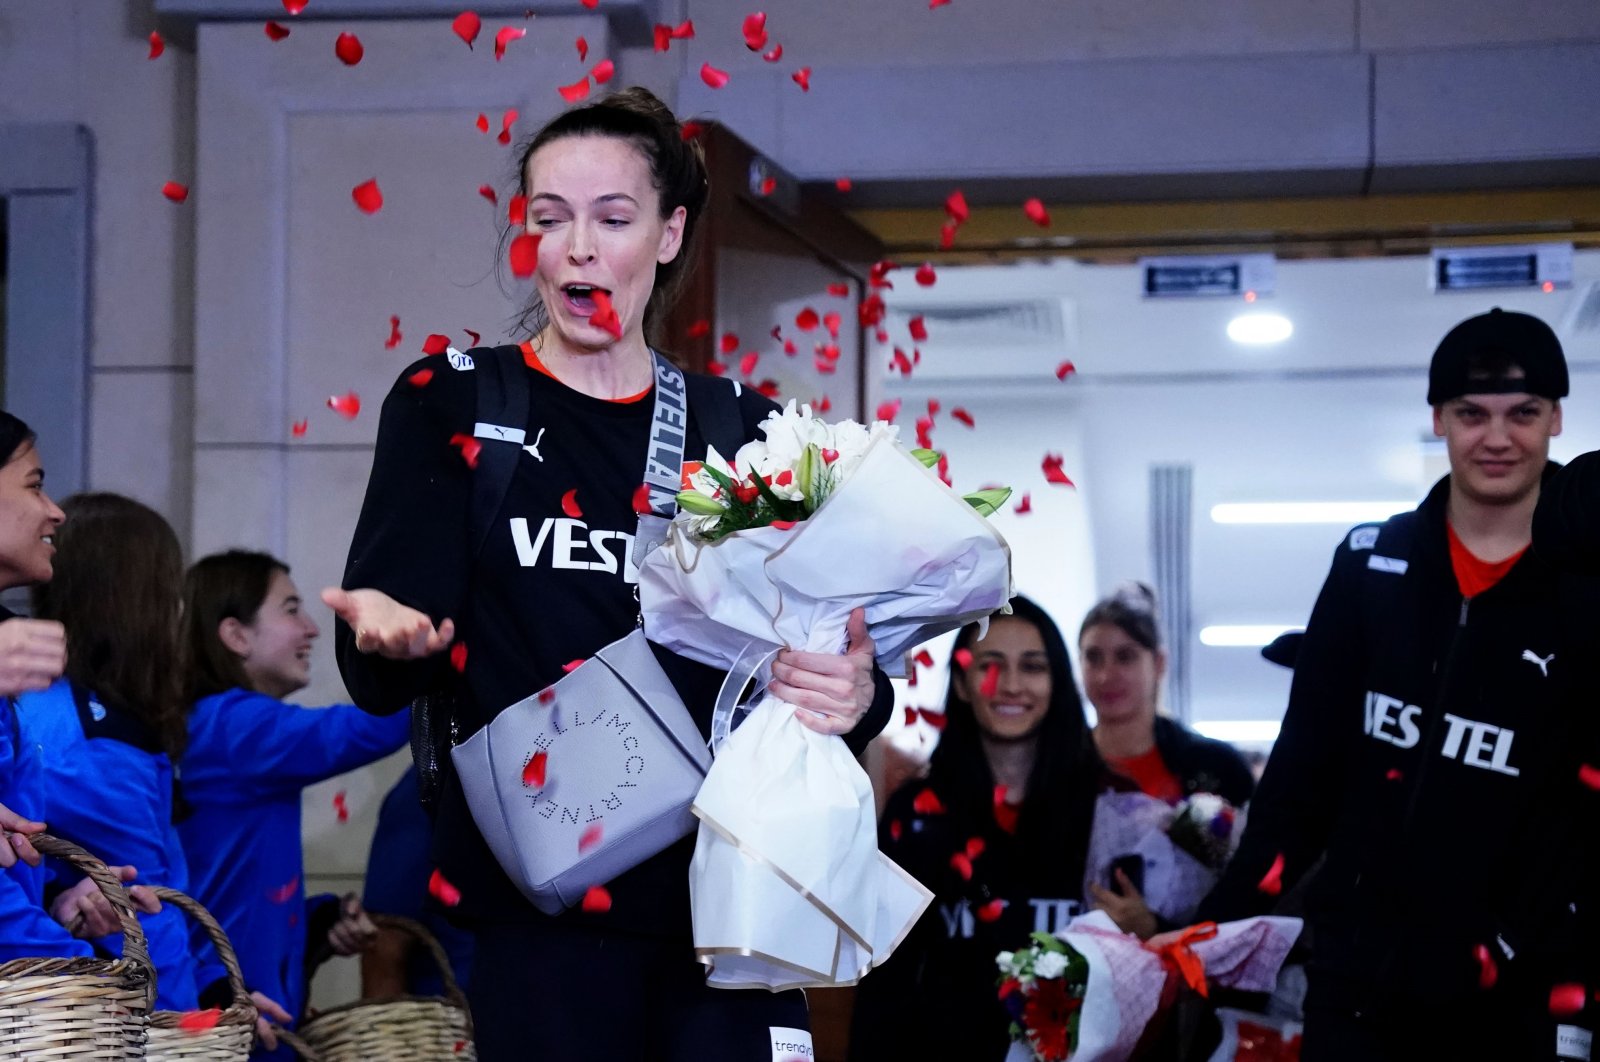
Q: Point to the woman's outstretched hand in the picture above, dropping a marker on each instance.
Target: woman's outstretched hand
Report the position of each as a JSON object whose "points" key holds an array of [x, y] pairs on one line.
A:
{"points": [[831, 691], [384, 626]]}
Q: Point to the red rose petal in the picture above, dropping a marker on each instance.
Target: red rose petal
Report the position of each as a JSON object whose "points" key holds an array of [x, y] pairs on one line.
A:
{"points": [[991, 680], [347, 46], [923, 658], [285, 892], [470, 448], [895, 829], [1036, 213], [963, 658], [533, 770], [547, 697], [729, 343], [1065, 369], [806, 320], [517, 211], [605, 315], [157, 45], [507, 120], [1272, 883], [442, 890], [755, 31], [1393, 774], [927, 802], [340, 807], [569, 504], [458, 656], [487, 191], [963, 416], [947, 235], [583, 49], [934, 407], [1488, 972], [175, 191], [197, 1021], [435, 344], [768, 186], [1052, 470], [839, 291], [589, 838], [1589, 776], [831, 322], [774, 55], [961, 865], [276, 30], [926, 276], [888, 410], [919, 329], [474, 336], [504, 36], [347, 405], [1025, 506], [597, 900], [933, 719], [684, 30], [367, 196], [576, 91], [590, 4], [524, 254], [420, 378], [699, 328], [955, 204], [823, 405], [802, 77], [1568, 999], [572, 665], [641, 499], [467, 26], [394, 334], [663, 36], [990, 911], [603, 71], [843, 184], [294, 7], [298, 428], [975, 847], [924, 424], [936, 3], [747, 364], [713, 77]]}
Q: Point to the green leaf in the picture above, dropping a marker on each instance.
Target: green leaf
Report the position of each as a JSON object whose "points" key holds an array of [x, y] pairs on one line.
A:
{"points": [[806, 474], [988, 502], [1049, 942], [692, 501], [929, 458]]}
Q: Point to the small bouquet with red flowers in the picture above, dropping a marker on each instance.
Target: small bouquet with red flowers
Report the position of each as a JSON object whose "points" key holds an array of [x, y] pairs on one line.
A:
{"points": [[1204, 826], [1090, 993], [1181, 850]]}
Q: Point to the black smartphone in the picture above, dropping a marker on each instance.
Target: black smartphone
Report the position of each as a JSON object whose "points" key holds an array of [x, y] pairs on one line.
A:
{"points": [[1132, 866]]}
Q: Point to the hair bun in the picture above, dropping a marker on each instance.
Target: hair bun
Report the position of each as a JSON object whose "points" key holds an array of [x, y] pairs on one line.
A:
{"points": [[1137, 595]]}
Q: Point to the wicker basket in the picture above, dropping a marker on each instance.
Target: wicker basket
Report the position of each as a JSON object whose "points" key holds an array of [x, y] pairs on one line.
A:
{"points": [[398, 1029], [230, 1038], [61, 1009]]}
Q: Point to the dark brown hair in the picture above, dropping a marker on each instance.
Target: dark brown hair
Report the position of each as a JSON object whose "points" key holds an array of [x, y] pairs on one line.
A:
{"points": [[677, 172], [1131, 607], [117, 589], [14, 434], [231, 585]]}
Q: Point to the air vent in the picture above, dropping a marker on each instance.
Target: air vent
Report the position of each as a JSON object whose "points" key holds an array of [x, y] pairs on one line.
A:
{"points": [[1037, 322], [981, 340]]}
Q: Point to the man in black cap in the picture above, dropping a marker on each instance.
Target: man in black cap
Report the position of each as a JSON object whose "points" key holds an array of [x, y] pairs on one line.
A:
{"points": [[1432, 744]]}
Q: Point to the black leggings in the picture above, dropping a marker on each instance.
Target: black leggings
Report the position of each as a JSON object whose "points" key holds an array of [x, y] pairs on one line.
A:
{"points": [[552, 990]]}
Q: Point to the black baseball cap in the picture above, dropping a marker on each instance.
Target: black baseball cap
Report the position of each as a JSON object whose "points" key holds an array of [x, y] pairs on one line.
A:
{"points": [[1516, 340]]}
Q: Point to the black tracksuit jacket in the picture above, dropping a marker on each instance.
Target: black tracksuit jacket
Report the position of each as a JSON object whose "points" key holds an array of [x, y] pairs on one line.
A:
{"points": [[1431, 749]]}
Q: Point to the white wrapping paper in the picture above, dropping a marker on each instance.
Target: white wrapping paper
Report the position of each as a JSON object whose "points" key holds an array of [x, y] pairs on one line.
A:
{"points": [[1135, 824], [788, 886]]}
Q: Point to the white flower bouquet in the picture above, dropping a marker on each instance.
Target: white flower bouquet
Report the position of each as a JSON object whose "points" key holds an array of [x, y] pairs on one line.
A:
{"points": [[775, 548], [1183, 849]]}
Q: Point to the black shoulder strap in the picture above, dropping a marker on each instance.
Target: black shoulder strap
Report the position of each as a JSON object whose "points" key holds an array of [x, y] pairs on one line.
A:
{"points": [[714, 405], [502, 401]]}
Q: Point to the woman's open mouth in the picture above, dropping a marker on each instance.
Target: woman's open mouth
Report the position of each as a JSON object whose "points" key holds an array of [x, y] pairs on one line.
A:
{"points": [[580, 298]]}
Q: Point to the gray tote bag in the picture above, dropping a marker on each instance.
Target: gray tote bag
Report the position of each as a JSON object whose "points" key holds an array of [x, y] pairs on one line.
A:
{"points": [[623, 762]]}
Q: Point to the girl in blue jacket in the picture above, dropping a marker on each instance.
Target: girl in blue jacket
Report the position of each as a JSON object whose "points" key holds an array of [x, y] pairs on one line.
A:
{"points": [[249, 757]]}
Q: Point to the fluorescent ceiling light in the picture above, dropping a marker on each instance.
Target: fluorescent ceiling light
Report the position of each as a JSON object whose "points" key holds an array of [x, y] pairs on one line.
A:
{"points": [[1257, 329], [1251, 731], [1257, 634], [1346, 512]]}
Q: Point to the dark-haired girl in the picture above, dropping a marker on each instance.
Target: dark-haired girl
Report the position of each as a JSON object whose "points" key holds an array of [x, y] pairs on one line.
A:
{"points": [[250, 756], [614, 192], [998, 830]]}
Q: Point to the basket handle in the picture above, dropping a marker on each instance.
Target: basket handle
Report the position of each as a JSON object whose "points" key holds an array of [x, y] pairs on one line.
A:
{"points": [[219, 940], [419, 932], [134, 949], [299, 1046]]}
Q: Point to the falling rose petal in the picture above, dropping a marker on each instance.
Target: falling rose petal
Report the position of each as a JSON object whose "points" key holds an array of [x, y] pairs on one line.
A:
{"points": [[487, 191], [367, 196], [533, 770], [175, 191], [641, 499], [547, 697], [470, 448], [955, 205], [690, 131], [1036, 213], [729, 343], [589, 838], [755, 31], [583, 49], [831, 321], [1568, 999], [937, 3], [944, 469], [991, 911], [963, 416], [1488, 971], [699, 328], [927, 802], [605, 315], [919, 329], [947, 235], [603, 71], [285, 892], [713, 77], [923, 658], [888, 410], [442, 890], [839, 291], [340, 807], [1025, 506], [961, 865], [1052, 471], [507, 120], [774, 55], [458, 656], [684, 30], [768, 186], [347, 405], [576, 91], [198, 1021], [298, 428], [963, 658], [924, 431], [1272, 883], [394, 334], [802, 77], [934, 407], [663, 36], [347, 46], [474, 336], [991, 680], [467, 26], [294, 7], [1393, 774], [435, 344], [975, 847], [895, 829], [276, 30], [878, 275], [747, 364], [843, 184], [524, 254], [1065, 369], [569, 504], [933, 719], [597, 900], [911, 716], [871, 310], [517, 211], [789, 348], [504, 36], [806, 320], [572, 665], [1589, 776], [157, 45], [824, 367], [926, 276], [420, 378]]}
